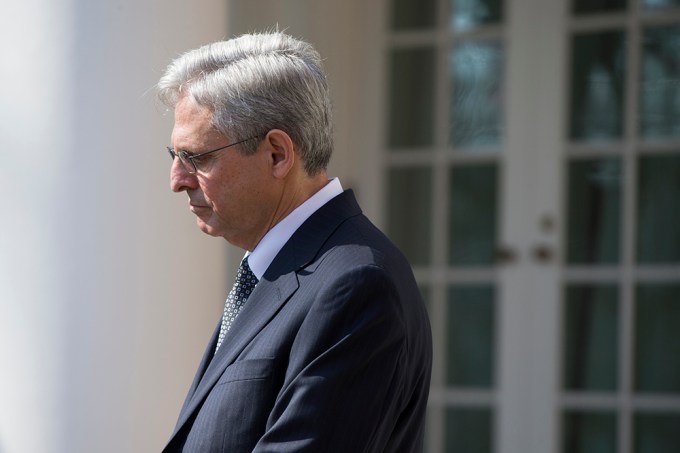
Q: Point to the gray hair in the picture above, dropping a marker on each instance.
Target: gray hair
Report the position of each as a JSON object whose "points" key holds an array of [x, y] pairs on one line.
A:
{"points": [[255, 83]]}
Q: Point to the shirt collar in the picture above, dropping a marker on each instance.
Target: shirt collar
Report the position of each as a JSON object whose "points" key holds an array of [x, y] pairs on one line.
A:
{"points": [[272, 242]]}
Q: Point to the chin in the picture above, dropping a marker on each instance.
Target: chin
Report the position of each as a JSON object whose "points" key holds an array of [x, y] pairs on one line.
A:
{"points": [[207, 229]]}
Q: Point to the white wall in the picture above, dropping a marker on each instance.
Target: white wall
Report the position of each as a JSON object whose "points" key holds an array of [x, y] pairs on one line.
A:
{"points": [[108, 292]]}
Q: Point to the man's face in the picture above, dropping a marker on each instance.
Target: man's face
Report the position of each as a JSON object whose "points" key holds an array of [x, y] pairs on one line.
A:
{"points": [[232, 195]]}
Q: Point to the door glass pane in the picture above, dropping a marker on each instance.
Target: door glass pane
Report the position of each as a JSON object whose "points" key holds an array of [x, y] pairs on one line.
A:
{"points": [[471, 13], [657, 433], [589, 432], [411, 111], [477, 97], [473, 215], [660, 90], [657, 338], [410, 211], [471, 339], [591, 333], [659, 209], [413, 14], [597, 86], [468, 431], [598, 6], [660, 4], [594, 207]]}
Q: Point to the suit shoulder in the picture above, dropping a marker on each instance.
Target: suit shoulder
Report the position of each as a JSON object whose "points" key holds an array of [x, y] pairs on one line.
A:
{"points": [[357, 239]]}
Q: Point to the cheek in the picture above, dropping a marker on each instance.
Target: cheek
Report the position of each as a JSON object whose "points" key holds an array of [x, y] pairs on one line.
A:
{"points": [[218, 196], [212, 190], [234, 192]]}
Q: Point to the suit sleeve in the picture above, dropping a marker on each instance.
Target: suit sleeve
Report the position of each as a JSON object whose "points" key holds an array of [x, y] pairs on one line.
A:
{"points": [[344, 389]]}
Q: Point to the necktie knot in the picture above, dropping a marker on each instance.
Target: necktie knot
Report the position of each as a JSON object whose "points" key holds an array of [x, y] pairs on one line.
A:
{"points": [[244, 284]]}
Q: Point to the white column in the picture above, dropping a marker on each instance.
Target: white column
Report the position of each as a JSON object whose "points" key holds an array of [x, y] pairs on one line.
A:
{"points": [[34, 39], [108, 291]]}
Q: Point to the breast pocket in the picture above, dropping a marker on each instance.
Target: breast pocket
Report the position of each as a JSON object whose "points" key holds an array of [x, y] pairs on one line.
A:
{"points": [[246, 370], [235, 413]]}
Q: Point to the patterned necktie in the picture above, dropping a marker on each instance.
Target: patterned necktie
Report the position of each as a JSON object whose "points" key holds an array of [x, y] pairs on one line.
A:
{"points": [[243, 285]]}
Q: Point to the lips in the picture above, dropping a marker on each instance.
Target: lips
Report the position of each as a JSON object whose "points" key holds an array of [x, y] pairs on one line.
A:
{"points": [[196, 207]]}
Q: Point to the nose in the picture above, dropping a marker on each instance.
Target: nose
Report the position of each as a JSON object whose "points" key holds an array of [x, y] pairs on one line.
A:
{"points": [[180, 179]]}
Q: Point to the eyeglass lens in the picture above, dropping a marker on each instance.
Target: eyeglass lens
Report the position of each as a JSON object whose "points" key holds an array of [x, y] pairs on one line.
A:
{"points": [[187, 163]]}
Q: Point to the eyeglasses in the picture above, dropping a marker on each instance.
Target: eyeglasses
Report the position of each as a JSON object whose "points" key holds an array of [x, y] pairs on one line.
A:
{"points": [[191, 162]]}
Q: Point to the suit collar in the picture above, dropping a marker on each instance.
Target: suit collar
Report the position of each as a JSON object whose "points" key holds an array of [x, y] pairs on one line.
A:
{"points": [[277, 285], [308, 240]]}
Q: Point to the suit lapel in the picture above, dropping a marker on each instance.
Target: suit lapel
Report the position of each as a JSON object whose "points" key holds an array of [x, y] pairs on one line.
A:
{"points": [[262, 305], [278, 284]]}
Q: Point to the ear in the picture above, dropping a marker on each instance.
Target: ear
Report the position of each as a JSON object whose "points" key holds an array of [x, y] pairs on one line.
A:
{"points": [[280, 152]]}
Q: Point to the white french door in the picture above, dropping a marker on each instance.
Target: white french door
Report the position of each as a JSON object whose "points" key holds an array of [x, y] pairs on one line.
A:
{"points": [[531, 162]]}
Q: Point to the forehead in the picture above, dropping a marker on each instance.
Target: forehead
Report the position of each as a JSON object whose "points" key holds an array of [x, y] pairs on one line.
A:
{"points": [[193, 127]]}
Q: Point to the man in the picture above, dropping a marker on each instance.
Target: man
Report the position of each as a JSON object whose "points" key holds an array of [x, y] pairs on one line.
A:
{"points": [[324, 345]]}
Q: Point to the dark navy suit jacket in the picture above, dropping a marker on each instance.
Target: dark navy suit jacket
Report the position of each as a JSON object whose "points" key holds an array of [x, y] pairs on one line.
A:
{"points": [[332, 352]]}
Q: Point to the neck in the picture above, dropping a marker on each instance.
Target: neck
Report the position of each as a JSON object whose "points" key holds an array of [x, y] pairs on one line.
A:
{"points": [[293, 195], [294, 192]]}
